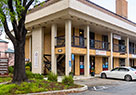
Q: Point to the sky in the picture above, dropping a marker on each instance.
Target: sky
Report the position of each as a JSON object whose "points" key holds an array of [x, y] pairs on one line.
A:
{"points": [[108, 4]]}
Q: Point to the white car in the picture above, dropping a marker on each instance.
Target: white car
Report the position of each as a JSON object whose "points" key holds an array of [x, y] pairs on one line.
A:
{"points": [[126, 73]]}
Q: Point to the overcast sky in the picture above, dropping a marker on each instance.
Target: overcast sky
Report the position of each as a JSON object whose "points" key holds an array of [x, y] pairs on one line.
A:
{"points": [[110, 5]]}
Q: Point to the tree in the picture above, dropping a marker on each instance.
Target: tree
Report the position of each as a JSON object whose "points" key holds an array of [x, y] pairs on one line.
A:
{"points": [[15, 11]]}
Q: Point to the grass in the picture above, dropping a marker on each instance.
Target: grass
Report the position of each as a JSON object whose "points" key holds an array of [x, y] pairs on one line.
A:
{"points": [[35, 85], [5, 79]]}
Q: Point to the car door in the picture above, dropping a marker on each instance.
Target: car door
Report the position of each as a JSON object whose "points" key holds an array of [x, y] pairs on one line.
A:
{"points": [[112, 73], [122, 72]]}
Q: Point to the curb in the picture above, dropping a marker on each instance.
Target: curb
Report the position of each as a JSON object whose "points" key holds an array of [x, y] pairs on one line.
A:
{"points": [[4, 82], [73, 90]]}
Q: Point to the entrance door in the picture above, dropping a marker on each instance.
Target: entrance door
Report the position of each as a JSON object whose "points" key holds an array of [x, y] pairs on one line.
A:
{"points": [[105, 42], [81, 37], [81, 65], [92, 65], [132, 63], [121, 45], [122, 62], [92, 40], [105, 64]]}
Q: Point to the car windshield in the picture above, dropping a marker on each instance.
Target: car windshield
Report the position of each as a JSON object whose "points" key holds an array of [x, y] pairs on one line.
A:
{"points": [[132, 69]]}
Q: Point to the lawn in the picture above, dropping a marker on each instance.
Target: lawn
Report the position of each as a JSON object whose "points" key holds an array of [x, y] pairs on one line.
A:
{"points": [[33, 86]]}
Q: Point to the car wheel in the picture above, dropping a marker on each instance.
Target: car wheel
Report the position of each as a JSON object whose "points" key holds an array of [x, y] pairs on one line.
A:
{"points": [[103, 75], [128, 78]]}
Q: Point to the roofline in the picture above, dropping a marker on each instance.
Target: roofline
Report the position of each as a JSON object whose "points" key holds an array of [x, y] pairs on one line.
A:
{"points": [[92, 4], [89, 3]]}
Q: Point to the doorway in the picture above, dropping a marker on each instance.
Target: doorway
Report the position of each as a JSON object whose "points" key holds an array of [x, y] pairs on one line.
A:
{"points": [[92, 65], [105, 42], [81, 37], [92, 40], [122, 62], [81, 65], [122, 46]]}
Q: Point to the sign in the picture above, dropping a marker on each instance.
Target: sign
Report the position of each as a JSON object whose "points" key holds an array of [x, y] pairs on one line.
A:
{"points": [[36, 59], [70, 66], [3, 66], [117, 37], [100, 52], [133, 55], [60, 50], [73, 57]]}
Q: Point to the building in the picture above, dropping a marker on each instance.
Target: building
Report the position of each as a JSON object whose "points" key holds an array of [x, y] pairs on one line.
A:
{"points": [[79, 36], [6, 52]]}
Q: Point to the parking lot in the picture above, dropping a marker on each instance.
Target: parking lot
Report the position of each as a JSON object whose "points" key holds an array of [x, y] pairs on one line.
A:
{"points": [[98, 86]]}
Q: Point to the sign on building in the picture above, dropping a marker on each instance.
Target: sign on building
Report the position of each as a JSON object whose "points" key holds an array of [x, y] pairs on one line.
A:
{"points": [[117, 37], [3, 66], [36, 59], [100, 52]]}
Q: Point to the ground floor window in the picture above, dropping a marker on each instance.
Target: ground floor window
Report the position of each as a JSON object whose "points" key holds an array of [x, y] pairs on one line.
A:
{"points": [[81, 65], [105, 63], [122, 62], [92, 65]]}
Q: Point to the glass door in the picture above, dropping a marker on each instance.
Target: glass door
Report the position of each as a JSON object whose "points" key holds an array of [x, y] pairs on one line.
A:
{"points": [[81, 65]]}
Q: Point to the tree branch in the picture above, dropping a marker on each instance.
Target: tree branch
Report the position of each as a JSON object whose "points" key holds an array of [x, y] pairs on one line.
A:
{"points": [[24, 2], [28, 5], [14, 22]]}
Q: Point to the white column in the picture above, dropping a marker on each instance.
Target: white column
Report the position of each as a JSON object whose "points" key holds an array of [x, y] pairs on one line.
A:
{"points": [[68, 25], [87, 56], [37, 50], [110, 59], [53, 44], [127, 50], [30, 48]]}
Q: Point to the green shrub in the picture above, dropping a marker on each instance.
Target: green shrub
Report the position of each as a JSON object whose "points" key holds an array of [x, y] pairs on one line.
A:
{"points": [[28, 68], [5, 89], [68, 80], [52, 77], [29, 64], [38, 76], [30, 75], [10, 69]]}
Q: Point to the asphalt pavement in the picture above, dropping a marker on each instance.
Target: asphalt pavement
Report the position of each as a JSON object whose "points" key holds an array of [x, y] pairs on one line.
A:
{"points": [[98, 86]]}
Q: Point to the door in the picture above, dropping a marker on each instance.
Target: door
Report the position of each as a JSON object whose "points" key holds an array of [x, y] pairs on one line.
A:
{"points": [[92, 65], [81, 65], [122, 72], [122, 46], [81, 37], [105, 64], [105, 42], [113, 73], [122, 62], [92, 40]]}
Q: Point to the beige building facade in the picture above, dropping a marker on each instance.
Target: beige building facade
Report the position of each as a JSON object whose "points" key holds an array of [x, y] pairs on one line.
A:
{"points": [[79, 36]]}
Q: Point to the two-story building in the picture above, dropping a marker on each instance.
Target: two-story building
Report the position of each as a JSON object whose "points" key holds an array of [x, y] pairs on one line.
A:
{"points": [[79, 36]]}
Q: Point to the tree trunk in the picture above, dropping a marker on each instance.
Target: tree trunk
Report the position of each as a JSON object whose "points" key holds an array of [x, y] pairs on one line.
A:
{"points": [[19, 62]]}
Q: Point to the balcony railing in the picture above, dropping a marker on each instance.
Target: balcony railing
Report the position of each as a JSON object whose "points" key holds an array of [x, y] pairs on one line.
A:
{"points": [[60, 41], [101, 45], [119, 48], [78, 41]]}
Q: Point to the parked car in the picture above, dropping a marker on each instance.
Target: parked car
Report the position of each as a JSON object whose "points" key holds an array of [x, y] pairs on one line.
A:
{"points": [[127, 73]]}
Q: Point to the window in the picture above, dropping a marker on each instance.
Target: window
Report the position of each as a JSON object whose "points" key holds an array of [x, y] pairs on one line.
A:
{"points": [[115, 69], [123, 69]]}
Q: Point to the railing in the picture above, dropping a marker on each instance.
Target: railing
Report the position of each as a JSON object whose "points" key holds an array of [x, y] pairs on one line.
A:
{"points": [[60, 41], [132, 50], [101, 45], [119, 48], [78, 41]]}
